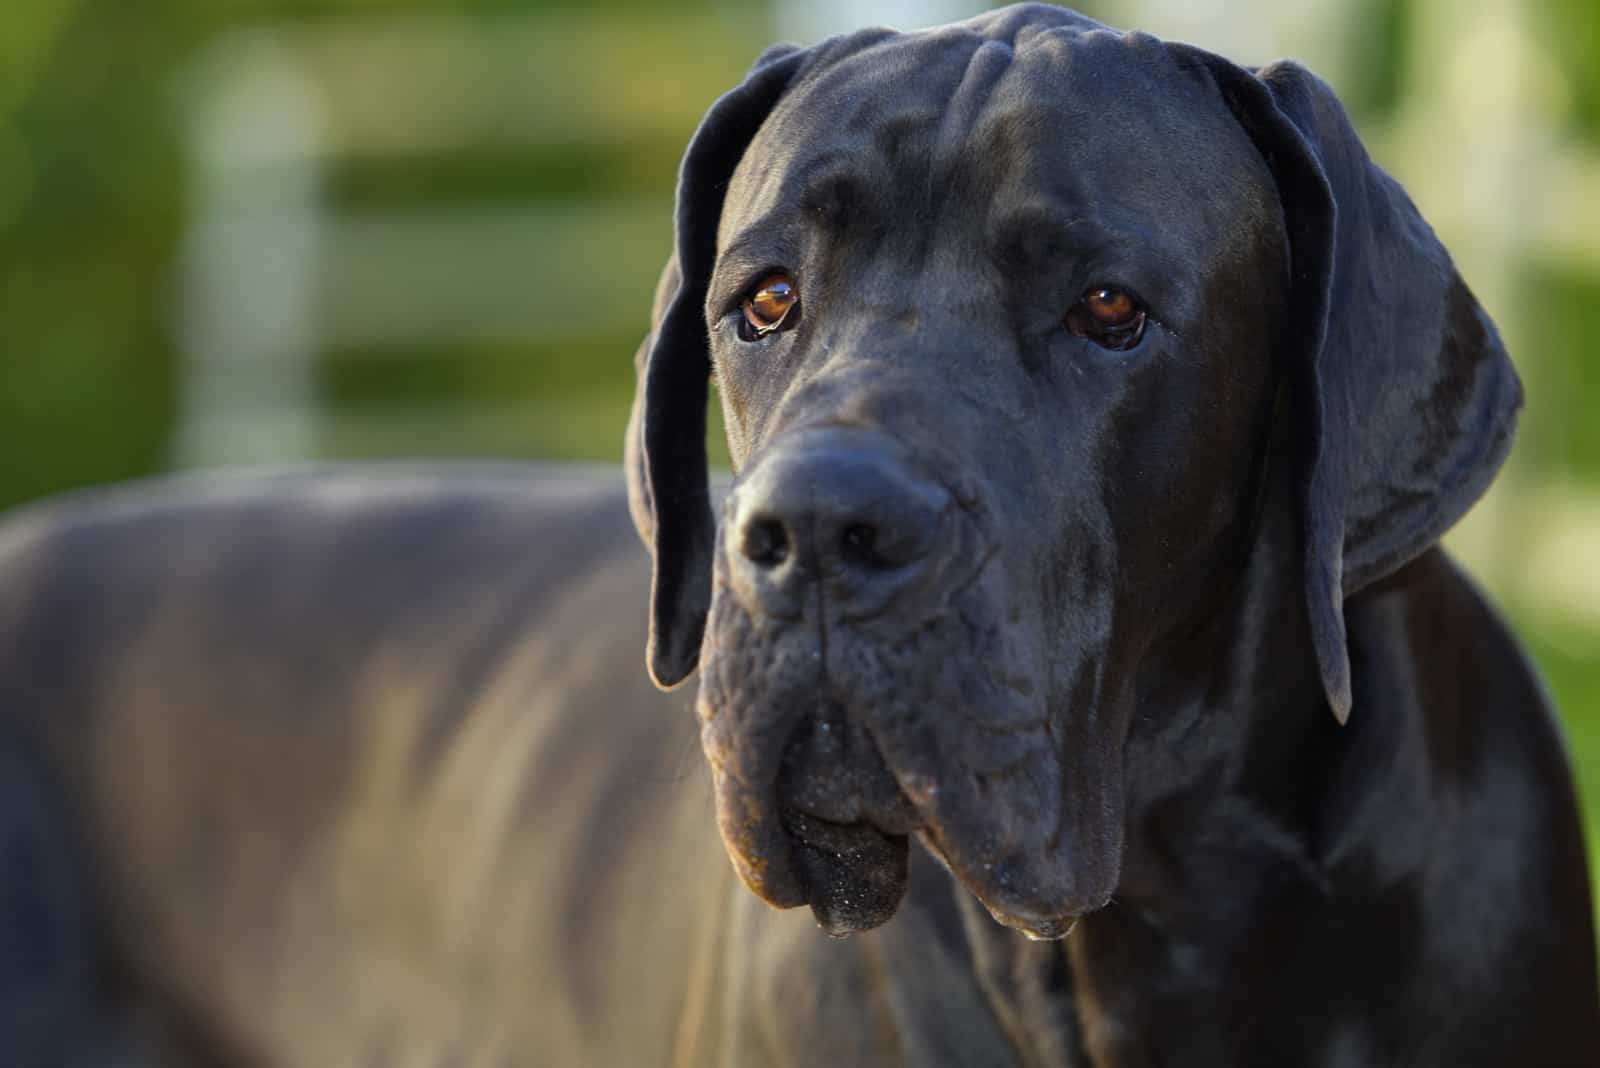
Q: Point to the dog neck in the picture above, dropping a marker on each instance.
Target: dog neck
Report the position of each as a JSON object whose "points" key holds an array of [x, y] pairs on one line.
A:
{"points": [[1228, 743], [1230, 761]]}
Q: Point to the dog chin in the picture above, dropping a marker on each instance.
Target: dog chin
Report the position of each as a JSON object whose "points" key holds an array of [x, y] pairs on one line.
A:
{"points": [[854, 877], [823, 769], [1036, 920], [852, 870]]}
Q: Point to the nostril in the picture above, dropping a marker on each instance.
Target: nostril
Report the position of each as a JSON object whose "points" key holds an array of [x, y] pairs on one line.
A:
{"points": [[765, 542], [859, 544]]}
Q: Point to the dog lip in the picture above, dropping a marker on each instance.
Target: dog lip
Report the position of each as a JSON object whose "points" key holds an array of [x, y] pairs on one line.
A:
{"points": [[1037, 925], [832, 772], [852, 875], [1036, 928], [821, 832], [902, 818]]}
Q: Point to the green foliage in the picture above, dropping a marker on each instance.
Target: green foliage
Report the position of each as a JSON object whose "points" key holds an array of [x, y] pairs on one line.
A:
{"points": [[1571, 30], [92, 209], [528, 172], [1561, 337]]}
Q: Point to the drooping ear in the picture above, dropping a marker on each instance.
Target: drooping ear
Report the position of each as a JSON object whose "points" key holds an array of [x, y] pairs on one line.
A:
{"points": [[1403, 390], [640, 504], [665, 461]]}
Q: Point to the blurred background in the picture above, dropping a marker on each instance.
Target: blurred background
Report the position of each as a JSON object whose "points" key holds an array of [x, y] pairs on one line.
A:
{"points": [[274, 231]]}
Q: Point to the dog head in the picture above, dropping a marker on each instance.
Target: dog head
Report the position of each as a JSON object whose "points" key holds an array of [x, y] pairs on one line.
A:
{"points": [[1001, 315]]}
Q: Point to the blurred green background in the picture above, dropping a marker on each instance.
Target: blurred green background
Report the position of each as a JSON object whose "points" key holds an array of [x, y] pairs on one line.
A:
{"points": [[269, 231]]}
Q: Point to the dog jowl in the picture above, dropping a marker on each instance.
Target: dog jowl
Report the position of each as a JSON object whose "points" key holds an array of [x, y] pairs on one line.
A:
{"points": [[1003, 318]]}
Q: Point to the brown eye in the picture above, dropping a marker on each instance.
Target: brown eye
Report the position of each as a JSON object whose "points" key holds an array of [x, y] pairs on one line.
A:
{"points": [[1112, 318], [772, 305]]}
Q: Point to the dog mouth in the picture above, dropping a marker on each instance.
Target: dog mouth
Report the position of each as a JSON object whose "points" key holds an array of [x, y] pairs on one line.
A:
{"points": [[853, 875], [847, 820], [838, 835], [827, 758], [834, 833]]}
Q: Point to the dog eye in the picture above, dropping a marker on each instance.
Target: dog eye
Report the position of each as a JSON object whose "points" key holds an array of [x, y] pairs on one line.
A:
{"points": [[774, 304], [1110, 317]]}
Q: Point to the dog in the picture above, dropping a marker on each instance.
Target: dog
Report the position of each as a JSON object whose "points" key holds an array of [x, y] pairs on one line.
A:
{"points": [[1096, 406]]}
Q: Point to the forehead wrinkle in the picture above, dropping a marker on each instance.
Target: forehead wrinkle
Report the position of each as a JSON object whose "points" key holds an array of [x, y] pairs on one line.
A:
{"points": [[1099, 121], [834, 187], [1037, 236], [862, 192], [984, 69], [871, 121], [1010, 104], [837, 148]]}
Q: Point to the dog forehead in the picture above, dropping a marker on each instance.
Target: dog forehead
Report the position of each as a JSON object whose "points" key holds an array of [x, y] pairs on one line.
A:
{"points": [[1002, 111]]}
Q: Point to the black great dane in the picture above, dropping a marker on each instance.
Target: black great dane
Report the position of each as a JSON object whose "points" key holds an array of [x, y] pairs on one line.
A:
{"points": [[1096, 405]]}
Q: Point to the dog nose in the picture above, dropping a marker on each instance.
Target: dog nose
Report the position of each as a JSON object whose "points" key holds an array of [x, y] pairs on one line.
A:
{"points": [[840, 506]]}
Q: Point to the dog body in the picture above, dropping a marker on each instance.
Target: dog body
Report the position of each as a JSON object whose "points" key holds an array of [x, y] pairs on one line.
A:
{"points": [[359, 769], [350, 769], [1096, 407]]}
